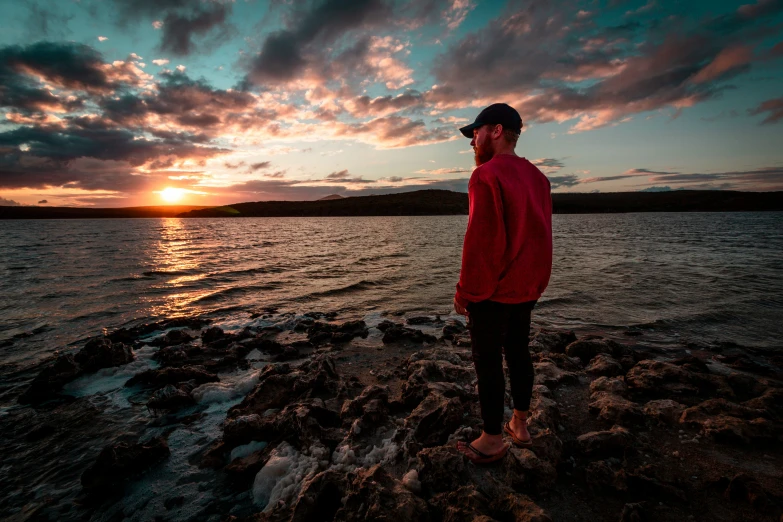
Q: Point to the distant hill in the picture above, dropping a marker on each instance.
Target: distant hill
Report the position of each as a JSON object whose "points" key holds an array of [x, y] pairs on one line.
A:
{"points": [[92, 213], [330, 197], [431, 203], [443, 202]]}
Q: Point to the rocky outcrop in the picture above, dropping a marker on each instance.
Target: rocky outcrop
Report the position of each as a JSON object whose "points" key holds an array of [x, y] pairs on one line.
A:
{"points": [[587, 348], [604, 364], [729, 422], [614, 408], [119, 462], [48, 383], [609, 443], [102, 353]]}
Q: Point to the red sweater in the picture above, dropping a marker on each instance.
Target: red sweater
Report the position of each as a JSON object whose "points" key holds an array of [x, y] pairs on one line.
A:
{"points": [[507, 254]]}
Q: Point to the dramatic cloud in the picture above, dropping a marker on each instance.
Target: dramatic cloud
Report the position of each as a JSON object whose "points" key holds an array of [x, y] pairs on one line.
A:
{"points": [[773, 107], [9, 203], [769, 178]]}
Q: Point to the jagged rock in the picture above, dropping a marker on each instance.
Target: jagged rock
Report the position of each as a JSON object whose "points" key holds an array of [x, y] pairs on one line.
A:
{"points": [[587, 348], [427, 376], [643, 482], [564, 362], [452, 329], [441, 468], [728, 422], [210, 335], [771, 401], [465, 504], [599, 477], [374, 495], [102, 353], [662, 380], [289, 353], [449, 355], [320, 332], [434, 419], [419, 320], [172, 337], [615, 385], [242, 429], [664, 410], [320, 497], [174, 355], [544, 413], [745, 386], [242, 470], [547, 446], [397, 333], [548, 374], [164, 376], [525, 471], [51, 380], [551, 341], [519, 508], [120, 462], [613, 408], [633, 512], [613, 442], [170, 398], [744, 488], [603, 364], [354, 408]]}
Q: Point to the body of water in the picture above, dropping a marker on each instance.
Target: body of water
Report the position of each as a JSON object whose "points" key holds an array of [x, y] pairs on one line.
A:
{"points": [[697, 277]]}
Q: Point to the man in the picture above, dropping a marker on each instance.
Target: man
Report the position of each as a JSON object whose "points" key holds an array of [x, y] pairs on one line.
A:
{"points": [[506, 264]]}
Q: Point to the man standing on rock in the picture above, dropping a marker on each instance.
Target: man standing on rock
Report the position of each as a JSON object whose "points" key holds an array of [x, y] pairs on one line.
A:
{"points": [[506, 264]]}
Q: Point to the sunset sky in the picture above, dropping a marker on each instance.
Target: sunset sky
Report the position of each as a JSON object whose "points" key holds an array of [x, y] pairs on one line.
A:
{"points": [[143, 102]]}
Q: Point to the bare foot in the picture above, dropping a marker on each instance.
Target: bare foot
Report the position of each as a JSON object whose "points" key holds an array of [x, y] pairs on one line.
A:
{"points": [[519, 425], [486, 444]]}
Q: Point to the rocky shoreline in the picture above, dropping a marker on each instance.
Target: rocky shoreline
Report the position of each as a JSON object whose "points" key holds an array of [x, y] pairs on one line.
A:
{"points": [[341, 420]]}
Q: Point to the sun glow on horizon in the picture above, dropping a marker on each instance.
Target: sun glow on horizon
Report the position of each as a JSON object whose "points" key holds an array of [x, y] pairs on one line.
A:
{"points": [[172, 195]]}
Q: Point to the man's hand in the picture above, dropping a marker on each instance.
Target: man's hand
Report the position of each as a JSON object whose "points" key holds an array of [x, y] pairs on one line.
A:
{"points": [[459, 308]]}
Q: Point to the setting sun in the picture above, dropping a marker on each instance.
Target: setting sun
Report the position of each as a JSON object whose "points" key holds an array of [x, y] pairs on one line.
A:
{"points": [[172, 195]]}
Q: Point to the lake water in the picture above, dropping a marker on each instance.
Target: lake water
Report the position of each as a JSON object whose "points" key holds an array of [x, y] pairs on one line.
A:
{"points": [[676, 278]]}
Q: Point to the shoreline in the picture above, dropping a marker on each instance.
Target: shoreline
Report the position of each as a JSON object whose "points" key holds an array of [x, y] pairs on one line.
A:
{"points": [[287, 416]]}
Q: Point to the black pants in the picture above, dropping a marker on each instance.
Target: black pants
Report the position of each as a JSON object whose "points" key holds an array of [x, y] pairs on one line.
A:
{"points": [[495, 328]]}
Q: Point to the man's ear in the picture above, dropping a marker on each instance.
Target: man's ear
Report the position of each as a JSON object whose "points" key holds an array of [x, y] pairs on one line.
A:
{"points": [[497, 131]]}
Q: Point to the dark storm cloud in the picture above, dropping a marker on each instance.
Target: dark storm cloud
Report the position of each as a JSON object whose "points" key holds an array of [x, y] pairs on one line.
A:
{"points": [[184, 21], [772, 108], [540, 57], [284, 54], [769, 178], [569, 180]]}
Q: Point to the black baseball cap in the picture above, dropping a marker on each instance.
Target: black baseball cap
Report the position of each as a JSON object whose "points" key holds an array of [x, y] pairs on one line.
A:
{"points": [[495, 114]]}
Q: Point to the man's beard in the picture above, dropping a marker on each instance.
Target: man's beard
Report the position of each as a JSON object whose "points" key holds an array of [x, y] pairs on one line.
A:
{"points": [[484, 153]]}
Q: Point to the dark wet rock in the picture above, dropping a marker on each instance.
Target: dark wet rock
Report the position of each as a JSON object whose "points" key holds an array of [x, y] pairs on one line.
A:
{"points": [[664, 410], [525, 471], [587, 348], [603, 364], [746, 489], [663, 380], [289, 353], [386, 324], [608, 443], [452, 329], [551, 376], [174, 355], [614, 408], [102, 353], [212, 457], [519, 508], [163, 376], [172, 337], [397, 333], [375, 495], [51, 380], [564, 362], [434, 419], [415, 392], [465, 503], [242, 470], [729, 422], [634, 512], [242, 429], [173, 502], [320, 332], [547, 445], [320, 497], [544, 413], [771, 401], [212, 334], [644, 483], [354, 408], [746, 386], [419, 320], [170, 398], [441, 468], [40, 432], [599, 477], [615, 385], [120, 462], [449, 355], [551, 341], [744, 362]]}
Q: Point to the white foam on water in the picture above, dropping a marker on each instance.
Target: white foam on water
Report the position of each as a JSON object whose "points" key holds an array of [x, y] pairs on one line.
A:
{"points": [[348, 458], [247, 449], [281, 478], [110, 379], [230, 387]]}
